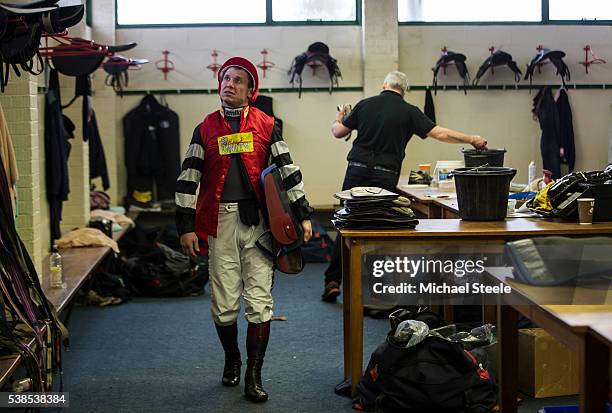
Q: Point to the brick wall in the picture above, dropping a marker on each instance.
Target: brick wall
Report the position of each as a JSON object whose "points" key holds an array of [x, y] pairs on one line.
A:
{"points": [[20, 104], [380, 43], [105, 102], [75, 212]]}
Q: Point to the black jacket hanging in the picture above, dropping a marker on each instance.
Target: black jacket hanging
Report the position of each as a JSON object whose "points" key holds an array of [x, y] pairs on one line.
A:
{"points": [[566, 130], [56, 155], [97, 159], [152, 145], [546, 111], [264, 103], [429, 109], [91, 133]]}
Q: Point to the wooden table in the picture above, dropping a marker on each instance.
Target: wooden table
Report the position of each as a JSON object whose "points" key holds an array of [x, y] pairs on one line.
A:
{"points": [[431, 202], [471, 234], [573, 325]]}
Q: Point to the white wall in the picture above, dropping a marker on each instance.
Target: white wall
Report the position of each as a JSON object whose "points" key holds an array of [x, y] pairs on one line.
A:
{"points": [[504, 117], [307, 121]]}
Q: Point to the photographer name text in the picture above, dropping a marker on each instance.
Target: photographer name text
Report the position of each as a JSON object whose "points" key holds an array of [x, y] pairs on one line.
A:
{"points": [[441, 288]]}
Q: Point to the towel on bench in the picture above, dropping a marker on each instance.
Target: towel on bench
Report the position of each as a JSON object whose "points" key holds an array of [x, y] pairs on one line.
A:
{"points": [[86, 237]]}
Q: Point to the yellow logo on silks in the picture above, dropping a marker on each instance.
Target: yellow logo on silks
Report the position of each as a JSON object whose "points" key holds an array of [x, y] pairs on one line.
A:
{"points": [[235, 143]]}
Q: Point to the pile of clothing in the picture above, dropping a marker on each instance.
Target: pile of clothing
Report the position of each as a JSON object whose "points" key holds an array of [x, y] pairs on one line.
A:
{"points": [[373, 208]]}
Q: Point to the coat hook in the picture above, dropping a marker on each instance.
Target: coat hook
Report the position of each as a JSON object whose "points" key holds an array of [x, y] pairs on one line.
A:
{"points": [[165, 64], [214, 66], [588, 52]]}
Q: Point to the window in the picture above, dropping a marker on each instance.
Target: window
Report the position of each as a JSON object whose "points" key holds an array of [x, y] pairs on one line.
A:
{"points": [[202, 12], [582, 10], [88, 18], [156, 12], [314, 10], [470, 10]]}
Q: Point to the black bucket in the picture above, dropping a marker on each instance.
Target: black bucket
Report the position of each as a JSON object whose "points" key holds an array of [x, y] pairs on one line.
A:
{"points": [[489, 157], [482, 193]]}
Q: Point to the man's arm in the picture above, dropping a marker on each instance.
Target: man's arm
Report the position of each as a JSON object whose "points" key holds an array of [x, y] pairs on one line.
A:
{"points": [[185, 197], [451, 136], [292, 181], [338, 129]]}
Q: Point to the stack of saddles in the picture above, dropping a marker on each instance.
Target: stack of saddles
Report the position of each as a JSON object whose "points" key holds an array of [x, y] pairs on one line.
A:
{"points": [[373, 208]]}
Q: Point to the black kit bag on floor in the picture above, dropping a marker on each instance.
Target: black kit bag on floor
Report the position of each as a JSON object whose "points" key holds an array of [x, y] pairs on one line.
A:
{"points": [[148, 279], [107, 284], [318, 248], [434, 376]]}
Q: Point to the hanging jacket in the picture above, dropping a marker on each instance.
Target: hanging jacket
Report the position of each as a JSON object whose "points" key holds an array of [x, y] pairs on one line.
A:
{"points": [[152, 146], [550, 140], [429, 109], [97, 159], [566, 130], [91, 133], [204, 165], [56, 155], [264, 103]]}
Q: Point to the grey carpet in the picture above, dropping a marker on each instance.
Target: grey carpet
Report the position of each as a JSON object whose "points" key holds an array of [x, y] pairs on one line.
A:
{"points": [[163, 355]]}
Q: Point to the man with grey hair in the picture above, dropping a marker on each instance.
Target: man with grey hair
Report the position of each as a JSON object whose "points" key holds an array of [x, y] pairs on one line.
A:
{"points": [[384, 123], [396, 80]]}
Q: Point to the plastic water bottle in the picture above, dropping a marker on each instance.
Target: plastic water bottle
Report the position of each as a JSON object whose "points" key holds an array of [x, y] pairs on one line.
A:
{"points": [[55, 267], [531, 173]]}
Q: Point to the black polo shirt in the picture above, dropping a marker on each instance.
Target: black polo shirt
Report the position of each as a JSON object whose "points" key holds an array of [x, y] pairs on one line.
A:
{"points": [[385, 123]]}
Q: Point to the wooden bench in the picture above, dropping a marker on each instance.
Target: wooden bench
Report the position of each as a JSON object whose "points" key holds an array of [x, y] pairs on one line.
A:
{"points": [[78, 266]]}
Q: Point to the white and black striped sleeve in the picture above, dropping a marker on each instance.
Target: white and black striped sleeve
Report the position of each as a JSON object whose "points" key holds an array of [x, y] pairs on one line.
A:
{"points": [[187, 184], [291, 174]]}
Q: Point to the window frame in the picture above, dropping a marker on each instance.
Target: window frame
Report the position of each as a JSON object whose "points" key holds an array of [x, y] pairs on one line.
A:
{"points": [[268, 22], [89, 14], [545, 20]]}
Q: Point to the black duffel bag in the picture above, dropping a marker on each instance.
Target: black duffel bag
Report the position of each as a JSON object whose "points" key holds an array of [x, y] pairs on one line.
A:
{"points": [[434, 376]]}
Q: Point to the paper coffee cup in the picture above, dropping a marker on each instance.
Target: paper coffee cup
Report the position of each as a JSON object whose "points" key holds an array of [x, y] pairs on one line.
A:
{"points": [[585, 210]]}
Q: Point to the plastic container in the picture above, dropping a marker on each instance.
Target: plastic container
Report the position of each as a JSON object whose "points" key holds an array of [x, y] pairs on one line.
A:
{"points": [[531, 171], [489, 157], [56, 279], [444, 168], [482, 193], [448, 185]]}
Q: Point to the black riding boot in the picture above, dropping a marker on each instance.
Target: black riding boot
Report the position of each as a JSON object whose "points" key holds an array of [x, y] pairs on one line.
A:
{"points": [[257, 341], [228, 335]]}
